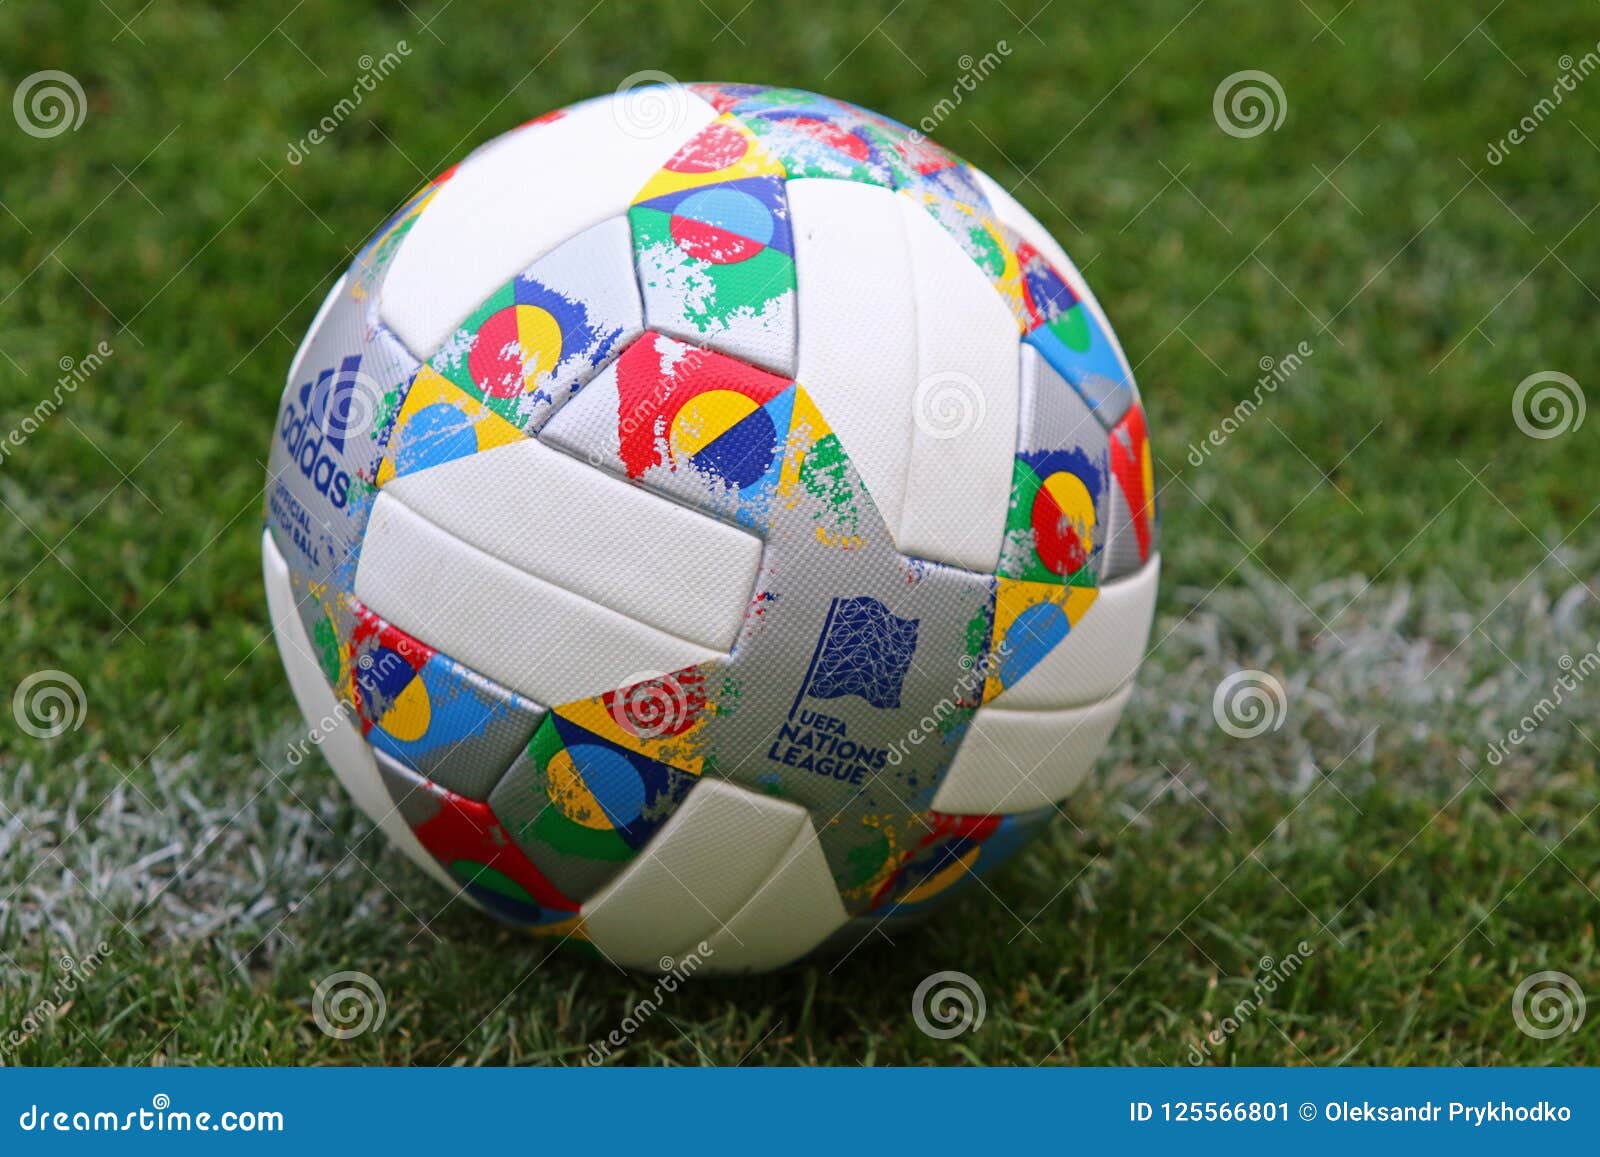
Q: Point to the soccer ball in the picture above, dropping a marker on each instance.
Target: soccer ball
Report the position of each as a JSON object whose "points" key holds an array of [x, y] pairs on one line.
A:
{"points": [[710, 520]]}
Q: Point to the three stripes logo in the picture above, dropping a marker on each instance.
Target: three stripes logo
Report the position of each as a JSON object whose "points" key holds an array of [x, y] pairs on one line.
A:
{"points": [[336, 407]]}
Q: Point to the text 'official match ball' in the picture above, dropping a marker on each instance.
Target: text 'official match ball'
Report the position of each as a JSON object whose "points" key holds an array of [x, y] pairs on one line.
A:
{"points": [[710, 519]]}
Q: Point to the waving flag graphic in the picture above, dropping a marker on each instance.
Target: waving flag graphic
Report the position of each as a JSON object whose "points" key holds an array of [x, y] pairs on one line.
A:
{"points": [[864, 650]]}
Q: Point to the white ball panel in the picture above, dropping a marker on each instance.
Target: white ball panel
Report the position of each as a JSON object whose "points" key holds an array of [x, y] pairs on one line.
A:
{"points": [[512, 627], [546, 514], [858, 326], [1012, 761], [1099, 655], [342, 745], [794, 910], [515, 200], [587, 427], [695, 875], [964, 423]]}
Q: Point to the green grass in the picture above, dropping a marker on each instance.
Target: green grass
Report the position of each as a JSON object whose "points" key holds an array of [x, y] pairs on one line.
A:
{"points": [[1379, 536]]}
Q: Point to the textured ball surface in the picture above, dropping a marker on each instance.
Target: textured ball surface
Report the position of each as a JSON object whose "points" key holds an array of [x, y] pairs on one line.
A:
{"points": [[710, 515]]}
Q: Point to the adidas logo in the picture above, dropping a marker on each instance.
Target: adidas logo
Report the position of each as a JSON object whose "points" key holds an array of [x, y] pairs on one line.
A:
{"points": [[314, 433]]}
